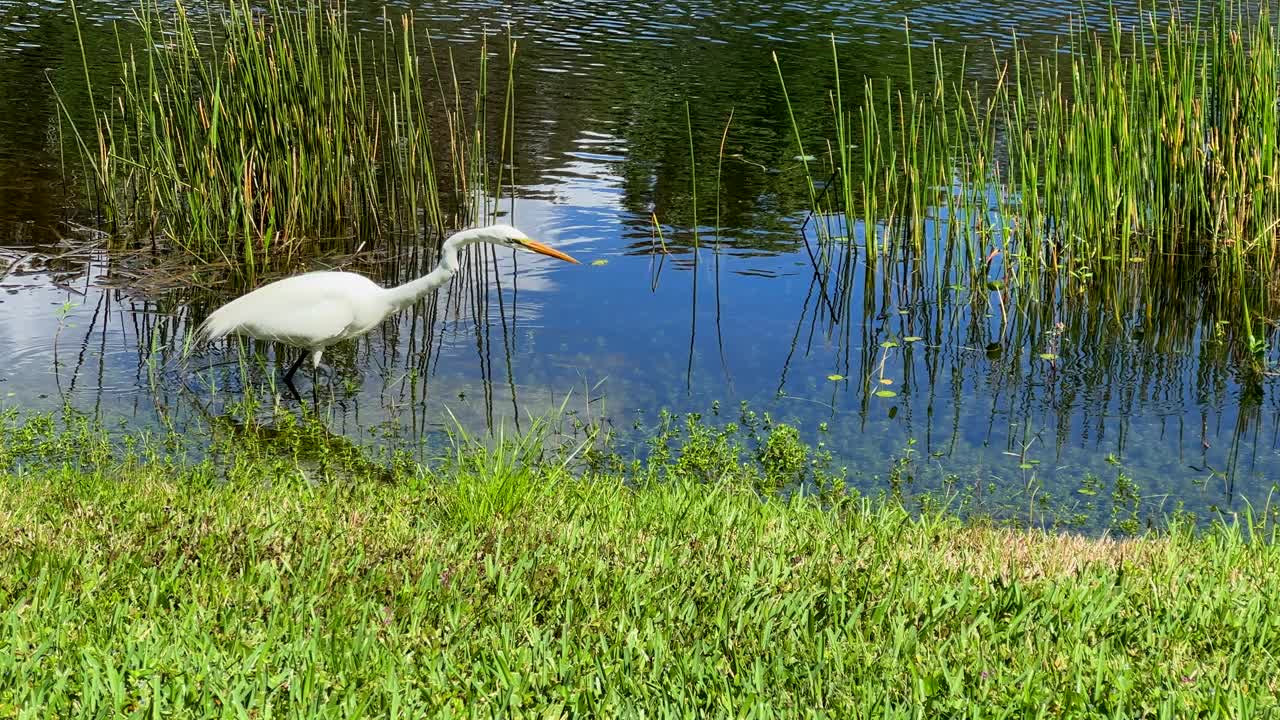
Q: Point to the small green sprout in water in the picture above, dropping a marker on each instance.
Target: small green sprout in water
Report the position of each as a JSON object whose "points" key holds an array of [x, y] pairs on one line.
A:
{"points": [[599, 262], [835, 377], [783, 457], [1090, 485], [1126, 498]]}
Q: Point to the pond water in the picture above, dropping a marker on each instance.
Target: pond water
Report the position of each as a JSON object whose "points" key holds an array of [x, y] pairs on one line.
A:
{"points": [[1136, 386]]}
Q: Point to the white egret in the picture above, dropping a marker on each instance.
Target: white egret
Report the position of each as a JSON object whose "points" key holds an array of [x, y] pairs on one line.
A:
{"points": [[315, 310]]}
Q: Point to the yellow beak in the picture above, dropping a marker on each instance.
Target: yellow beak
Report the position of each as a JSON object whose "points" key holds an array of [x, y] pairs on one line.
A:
{"points": [[538, 247]]}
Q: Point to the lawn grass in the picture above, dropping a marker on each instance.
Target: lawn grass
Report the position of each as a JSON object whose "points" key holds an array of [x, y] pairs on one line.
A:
{"points": [[505, 580]]}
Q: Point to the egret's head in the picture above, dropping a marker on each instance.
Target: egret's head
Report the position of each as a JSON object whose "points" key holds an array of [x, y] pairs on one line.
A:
{"points": [[508, 236]]}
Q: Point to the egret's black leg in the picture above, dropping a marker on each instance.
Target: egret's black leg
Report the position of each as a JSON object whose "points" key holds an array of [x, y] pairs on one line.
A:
{"points": [[294, 391], [288, 377]]}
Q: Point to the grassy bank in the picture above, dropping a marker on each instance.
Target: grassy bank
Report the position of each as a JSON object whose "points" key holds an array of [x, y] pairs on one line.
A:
{"points": [[509, 580]]}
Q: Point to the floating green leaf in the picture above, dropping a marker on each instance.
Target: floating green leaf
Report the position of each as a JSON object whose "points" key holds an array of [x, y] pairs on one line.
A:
{"points": [[912, 338], [886, 393], [886, 381], [888, 344], [1048, 356], [835, 378], [601, 261]]}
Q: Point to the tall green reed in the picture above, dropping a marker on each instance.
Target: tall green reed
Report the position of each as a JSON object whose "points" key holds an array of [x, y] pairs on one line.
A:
{"points": [[1155, 142], [259, 132]]}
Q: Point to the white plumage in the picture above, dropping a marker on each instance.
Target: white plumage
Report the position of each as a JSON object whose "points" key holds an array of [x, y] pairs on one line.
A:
{"points": [[315, 310]]}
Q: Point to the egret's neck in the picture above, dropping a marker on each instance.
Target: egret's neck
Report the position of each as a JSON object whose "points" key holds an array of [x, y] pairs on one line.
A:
{"points": [[402, 296]]}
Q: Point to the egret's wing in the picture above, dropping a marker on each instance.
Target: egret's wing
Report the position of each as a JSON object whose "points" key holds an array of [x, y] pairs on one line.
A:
{"points": [[305, 311], [301, 325]]}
